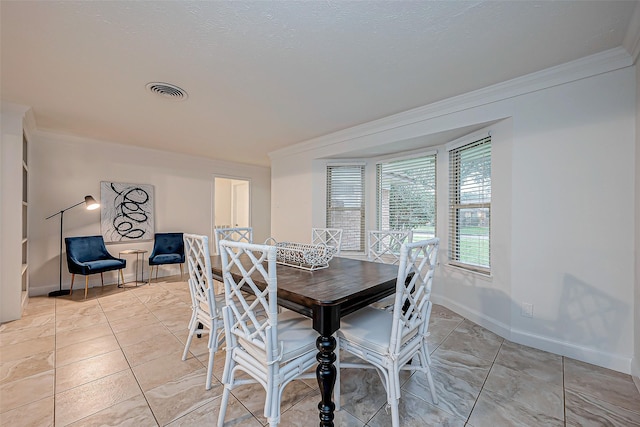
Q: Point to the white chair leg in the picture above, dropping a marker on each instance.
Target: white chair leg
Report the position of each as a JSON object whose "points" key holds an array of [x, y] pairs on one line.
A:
{"points": [[212, 355], [395, 417], [432, 386], [192, 329], [223, 405]]}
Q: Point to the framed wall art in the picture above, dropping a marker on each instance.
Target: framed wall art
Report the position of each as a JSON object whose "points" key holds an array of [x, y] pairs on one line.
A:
{"points": [[127, 212]]}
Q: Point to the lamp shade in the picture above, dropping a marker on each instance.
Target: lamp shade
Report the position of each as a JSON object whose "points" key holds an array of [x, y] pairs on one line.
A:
{"points": [[91, 203]]}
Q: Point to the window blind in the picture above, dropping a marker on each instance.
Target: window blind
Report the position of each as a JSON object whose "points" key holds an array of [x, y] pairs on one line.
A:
{"points": [[406, 195], [470, 205], [345, 204]]}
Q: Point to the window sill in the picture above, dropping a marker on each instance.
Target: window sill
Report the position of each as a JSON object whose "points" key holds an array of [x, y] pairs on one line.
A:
{"points": [[481, 274]]}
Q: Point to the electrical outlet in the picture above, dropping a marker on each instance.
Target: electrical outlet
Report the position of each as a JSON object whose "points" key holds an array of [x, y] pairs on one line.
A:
{"points": [[527, 309]]}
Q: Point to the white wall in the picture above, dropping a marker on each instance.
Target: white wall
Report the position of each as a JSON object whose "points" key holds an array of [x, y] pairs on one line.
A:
{"points": [[635, 367], [64, 169], [563, 170]]}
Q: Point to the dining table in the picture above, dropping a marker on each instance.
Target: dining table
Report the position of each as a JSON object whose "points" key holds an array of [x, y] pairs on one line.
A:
{"points": [[326, 295]]}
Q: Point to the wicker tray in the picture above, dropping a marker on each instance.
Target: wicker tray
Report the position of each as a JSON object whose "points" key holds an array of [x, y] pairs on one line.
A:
{"points": [[303, 255]]}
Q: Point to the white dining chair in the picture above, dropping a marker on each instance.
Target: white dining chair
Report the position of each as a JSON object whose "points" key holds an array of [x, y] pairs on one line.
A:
{"points": [[206, 316], [391, 341], [234, 234], [384, 245], [327, 236], [272, 348]]}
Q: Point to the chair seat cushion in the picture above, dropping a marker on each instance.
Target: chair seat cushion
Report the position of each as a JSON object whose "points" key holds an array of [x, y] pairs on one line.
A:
{"points": [[99, 266], [295, 332], [369, 328], [166, 259]]}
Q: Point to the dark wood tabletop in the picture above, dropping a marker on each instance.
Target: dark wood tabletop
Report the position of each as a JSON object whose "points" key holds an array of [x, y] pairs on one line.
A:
{"points": [[325, 296], [344, 287]]}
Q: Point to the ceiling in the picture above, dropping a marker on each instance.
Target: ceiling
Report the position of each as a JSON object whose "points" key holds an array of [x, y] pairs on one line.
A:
{"points": [[264, 75]]}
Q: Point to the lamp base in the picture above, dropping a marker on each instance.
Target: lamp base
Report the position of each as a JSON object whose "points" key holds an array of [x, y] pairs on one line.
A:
{"points": [[59, 293]]}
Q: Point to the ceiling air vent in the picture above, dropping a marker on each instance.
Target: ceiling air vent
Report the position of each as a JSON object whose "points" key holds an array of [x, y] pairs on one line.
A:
{"points": [[167, 90]]}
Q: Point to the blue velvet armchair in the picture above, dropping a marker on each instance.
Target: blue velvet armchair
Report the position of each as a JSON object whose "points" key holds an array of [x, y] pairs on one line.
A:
{"points": [[168, 248], [88, 255]]}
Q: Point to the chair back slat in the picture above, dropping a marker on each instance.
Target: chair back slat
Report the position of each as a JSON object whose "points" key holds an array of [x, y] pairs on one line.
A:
{"points": [[253, 307], [233, 234], [327, 236], [198, 260], [384, 245], [412, 306]]}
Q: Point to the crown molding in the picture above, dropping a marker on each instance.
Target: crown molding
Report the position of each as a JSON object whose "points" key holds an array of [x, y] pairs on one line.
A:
{"points": [[606, 61], [632, 39]]}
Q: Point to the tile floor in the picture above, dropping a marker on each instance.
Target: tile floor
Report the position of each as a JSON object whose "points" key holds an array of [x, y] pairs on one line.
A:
{"points": [[115, 359]]}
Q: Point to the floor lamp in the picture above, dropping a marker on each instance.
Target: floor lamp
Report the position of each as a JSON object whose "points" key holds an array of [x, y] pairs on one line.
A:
{"points": [[91, 205]]}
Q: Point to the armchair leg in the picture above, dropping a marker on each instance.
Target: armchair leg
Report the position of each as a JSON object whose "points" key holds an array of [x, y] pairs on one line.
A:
{"points": [[102, 279], [86, 286], [73, 276], [181, 272], [122, 277]]}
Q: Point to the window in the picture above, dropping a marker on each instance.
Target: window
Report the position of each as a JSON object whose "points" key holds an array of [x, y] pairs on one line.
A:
{"points": [[406, 196], [470, 205], [345, 204]]}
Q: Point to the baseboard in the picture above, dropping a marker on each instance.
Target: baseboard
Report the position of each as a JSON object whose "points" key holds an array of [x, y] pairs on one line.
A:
{"points": [[475, 316], [635, 372], [585, 354]]}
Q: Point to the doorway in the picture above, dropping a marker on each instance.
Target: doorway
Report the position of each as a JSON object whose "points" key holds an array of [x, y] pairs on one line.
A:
{"points": [[231, 202]]}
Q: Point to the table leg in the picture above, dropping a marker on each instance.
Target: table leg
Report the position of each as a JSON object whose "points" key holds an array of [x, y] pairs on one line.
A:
{"points": [[326, 375]]}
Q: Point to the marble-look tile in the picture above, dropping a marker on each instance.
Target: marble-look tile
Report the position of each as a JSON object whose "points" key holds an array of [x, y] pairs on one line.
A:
{"points": [[118, 301], [587, 411], [473, 339], [91, 369], [441, 323], [538, 394], [466, 367], [34, 414], [177, 398], [21, 335], [458, 379], [39, 306], [26, 348], [87, 308], [160, 304], [132, 412], [80, 402], [26, 390], [414, 412], [145, 351], [537, 363], [252, 397], [304, 412], [607, 385], [207, 414], [493, 409], [134, 309], [361, 392], [85, 349], [164, 369], [25, 322], [76, 336], [26, 367], [135, 335], [440, 329], [146, 321], [78, 321], [179, 309], [151, 294]]}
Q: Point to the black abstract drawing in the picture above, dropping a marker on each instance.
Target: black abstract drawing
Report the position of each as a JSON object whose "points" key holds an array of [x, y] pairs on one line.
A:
{"points": [[127, 211]]}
